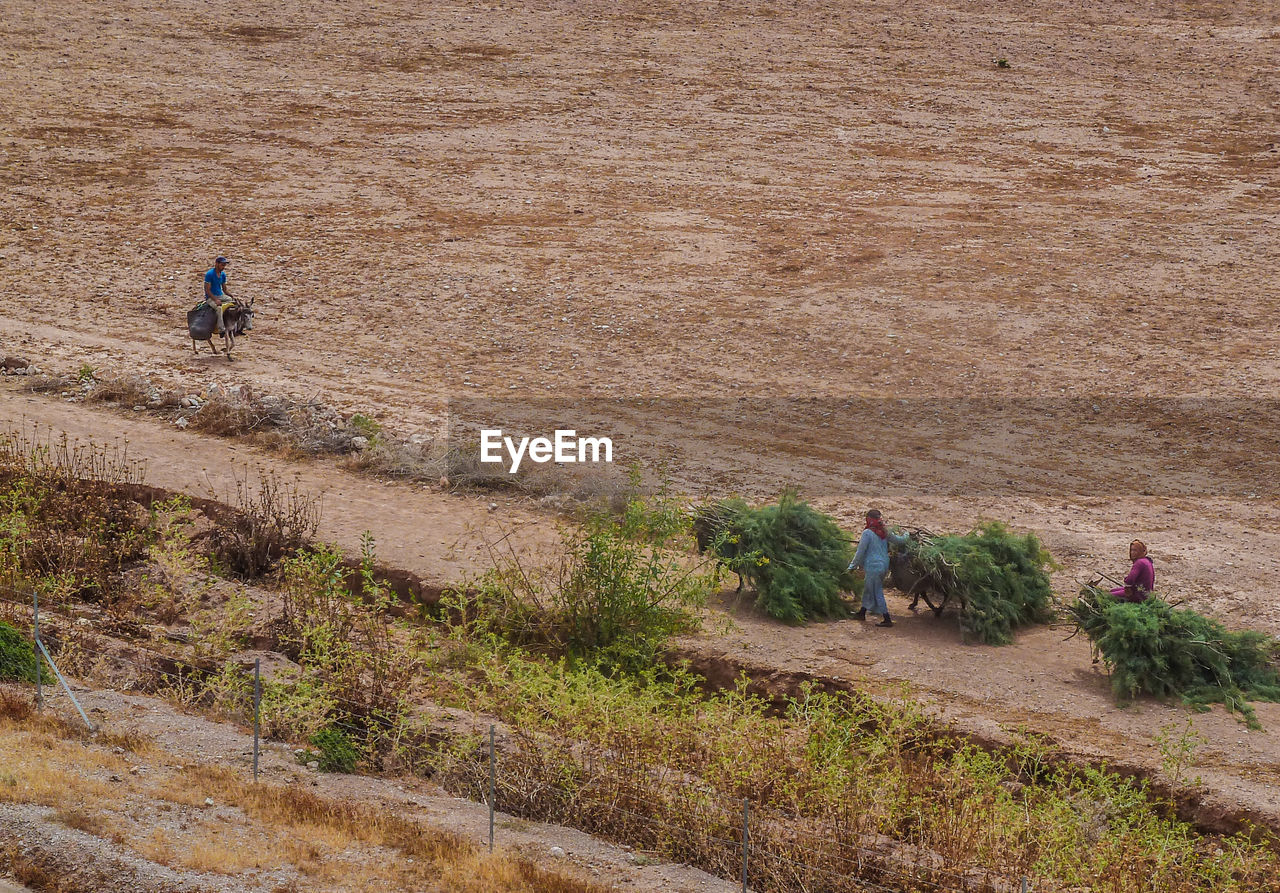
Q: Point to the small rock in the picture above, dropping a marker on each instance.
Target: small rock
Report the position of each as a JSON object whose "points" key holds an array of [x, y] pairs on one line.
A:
{"points": [[557, 852], [117, 748], [208, 801], [13, 364], [359, 442], [314, 765], [135, 770], [115, 778], [493, 506], [1096, 408], [139, 408], [182, 422]]}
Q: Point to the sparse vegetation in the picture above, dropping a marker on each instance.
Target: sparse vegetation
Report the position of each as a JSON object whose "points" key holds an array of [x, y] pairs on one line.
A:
{"points": [[601, 730]]}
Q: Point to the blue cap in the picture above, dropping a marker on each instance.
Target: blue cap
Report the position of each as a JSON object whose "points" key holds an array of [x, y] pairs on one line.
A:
{"points": [[219, 259]]}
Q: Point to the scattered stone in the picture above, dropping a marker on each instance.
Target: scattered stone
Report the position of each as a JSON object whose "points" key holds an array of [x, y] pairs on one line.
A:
{"points": [[13, 364], [181, 422], [208, 801], [493, 506], [558, 852], [359, 442], [314, 765]]}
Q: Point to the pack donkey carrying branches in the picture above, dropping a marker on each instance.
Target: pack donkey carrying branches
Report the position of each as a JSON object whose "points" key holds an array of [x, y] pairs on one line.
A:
{"points": [[921, 579], [202, 320]]}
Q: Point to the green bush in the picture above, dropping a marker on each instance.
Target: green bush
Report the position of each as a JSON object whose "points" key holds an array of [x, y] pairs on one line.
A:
{"points": [[18, 659], [336, 752], [1001, 579], [1154, 648], [621, 587], [794, 556]]}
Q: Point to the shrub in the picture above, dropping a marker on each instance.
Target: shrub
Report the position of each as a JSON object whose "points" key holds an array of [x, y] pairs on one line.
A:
{"points": [[18, 659], [273, 521], [622, 586], [336, 752], [1001, 579], [1153, 648], [794, 556]]}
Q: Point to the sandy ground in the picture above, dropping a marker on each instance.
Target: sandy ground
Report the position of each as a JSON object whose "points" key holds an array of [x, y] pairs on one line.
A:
{"points": [[764, 243]]}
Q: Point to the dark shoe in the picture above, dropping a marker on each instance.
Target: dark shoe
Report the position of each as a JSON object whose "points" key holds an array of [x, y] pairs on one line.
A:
{"points": [[860, 614], [885, 622]]}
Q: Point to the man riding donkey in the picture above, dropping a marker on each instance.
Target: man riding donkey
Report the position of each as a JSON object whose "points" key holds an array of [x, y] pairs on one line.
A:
{"points": [[215, 288]]}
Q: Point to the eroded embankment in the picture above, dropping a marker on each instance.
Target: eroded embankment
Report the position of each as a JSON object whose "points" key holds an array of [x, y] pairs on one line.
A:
{"points": [[781, 687]]}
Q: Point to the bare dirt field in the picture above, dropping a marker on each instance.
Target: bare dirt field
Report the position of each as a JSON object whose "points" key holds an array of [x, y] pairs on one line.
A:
{"points": [[823, 244]]}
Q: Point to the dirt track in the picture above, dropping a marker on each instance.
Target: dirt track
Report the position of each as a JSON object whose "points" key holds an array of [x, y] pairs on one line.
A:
{"points": [[759, 225]]}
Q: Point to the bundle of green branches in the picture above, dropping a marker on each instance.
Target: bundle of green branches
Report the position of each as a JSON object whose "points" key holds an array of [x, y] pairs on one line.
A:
{"points": [[1154, 648], [1000, 579], [794, 556]]}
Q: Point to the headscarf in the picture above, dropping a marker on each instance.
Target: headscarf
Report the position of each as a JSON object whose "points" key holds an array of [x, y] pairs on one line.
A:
{"points": [[1142, 548], [875, 523]]}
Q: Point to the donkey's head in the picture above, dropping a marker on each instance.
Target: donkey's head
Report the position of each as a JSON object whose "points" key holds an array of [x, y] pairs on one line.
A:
{"points": [[246, 317]]}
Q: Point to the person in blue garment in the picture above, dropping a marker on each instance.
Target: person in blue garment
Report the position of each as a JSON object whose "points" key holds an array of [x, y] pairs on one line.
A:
{"points": [[873, 557], [215, 287]]}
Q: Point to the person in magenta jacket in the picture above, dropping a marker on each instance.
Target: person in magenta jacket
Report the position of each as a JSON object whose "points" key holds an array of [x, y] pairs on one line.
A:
{"points": [[1140, 582]]}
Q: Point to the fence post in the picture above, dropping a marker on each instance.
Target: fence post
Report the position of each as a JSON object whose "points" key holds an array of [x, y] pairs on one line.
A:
{"points": [[746, 807], [257, 705], [1026, 885], [35, 613], [492, 784]]}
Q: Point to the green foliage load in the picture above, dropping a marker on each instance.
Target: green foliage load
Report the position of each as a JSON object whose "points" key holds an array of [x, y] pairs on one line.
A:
{"points": [[17, 656], [1000, 579], [1153, 648], [794, 556]]}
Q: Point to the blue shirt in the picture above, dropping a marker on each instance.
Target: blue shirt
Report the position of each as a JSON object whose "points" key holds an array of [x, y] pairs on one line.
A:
{"points": [[216, 281], [873, 552]]}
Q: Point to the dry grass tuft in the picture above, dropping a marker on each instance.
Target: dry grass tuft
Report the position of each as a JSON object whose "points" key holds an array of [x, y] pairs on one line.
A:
{"points": [[81, 819], [127, 390], [230, 417]]}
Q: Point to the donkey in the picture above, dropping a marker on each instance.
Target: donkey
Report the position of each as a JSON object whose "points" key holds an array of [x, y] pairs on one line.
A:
{"points": [[908, 579], [202, 320]]}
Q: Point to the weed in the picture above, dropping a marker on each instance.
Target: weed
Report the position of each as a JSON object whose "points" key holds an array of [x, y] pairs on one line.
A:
{"points": [[86, 373], [18, 657], [272, 522], [336, 752], [1178, 745]]}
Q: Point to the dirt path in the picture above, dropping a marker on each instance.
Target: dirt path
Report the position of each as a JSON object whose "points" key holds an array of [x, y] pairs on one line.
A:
{"points": [[441, 537]]}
